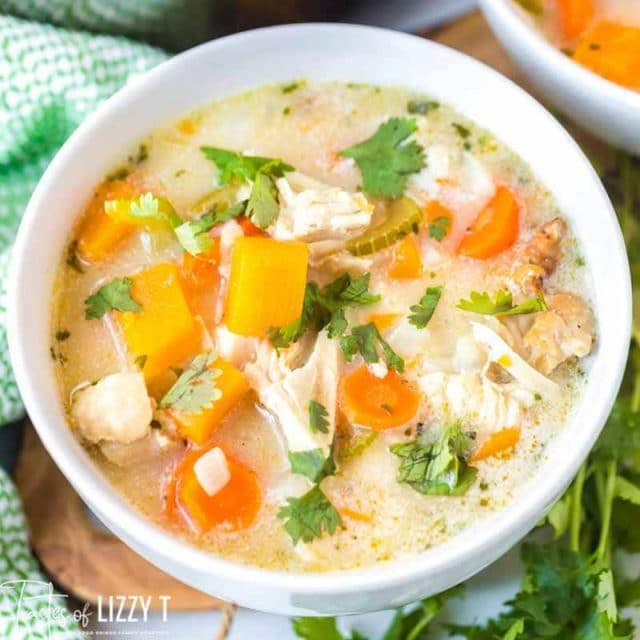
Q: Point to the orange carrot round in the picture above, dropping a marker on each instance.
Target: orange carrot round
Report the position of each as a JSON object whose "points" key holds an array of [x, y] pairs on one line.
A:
{"points": [[249, 228], [495, 229], [497, 443], [377, 403], [407, 262], [574, 16], [234, 507]]}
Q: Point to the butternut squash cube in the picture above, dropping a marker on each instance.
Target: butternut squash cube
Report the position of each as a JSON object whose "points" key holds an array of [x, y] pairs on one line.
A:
{"points": [[100, 234], [164, 332], [198, 427], [266, 285]]}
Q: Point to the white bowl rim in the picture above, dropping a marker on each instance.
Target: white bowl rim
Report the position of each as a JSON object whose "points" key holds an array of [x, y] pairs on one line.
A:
{"points": [[85, 477], [554, 58]]}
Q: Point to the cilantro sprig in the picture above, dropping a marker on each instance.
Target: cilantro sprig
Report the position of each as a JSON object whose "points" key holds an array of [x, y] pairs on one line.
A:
{"points": [[312, 463], [310, 516], [437, 468], [424, 310], [502, 305], [194, 234], [195, 389], [325, 308], [318, 417], [387, 158], [365, 340], [115, 295]]}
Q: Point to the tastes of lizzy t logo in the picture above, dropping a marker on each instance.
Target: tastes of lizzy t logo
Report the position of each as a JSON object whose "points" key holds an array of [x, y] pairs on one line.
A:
{"points": [[32, 608]]}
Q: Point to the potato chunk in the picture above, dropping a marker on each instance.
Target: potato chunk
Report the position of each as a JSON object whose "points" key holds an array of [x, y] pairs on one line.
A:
{"points": [[266, 284], [164, 332], [116, 409]]}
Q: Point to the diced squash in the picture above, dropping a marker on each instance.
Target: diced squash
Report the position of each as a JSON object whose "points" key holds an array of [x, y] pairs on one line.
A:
{"points": [[187, 126], [495, 229], [403, 217], [574, 16], [497, 443], [612, 50], [164, 332], [377, 403], [407, 261], [383, 320], [234, 507], [266, 284], [198, 427], [99, 234]]}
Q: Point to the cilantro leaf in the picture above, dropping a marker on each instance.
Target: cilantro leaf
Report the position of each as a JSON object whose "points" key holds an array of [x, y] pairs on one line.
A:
{"points": [[316, 629], [364, 340], [144, 207], [263, 205], [195, 389], [439, 227], [282, 337], [502, 305], [424, 310], [312, 463], [193, 235], [386, 159], [308, 517], [337, 325], [357, 292], [114, 295], [234, 165], [437, 468], [318, 417], [422, 107]]}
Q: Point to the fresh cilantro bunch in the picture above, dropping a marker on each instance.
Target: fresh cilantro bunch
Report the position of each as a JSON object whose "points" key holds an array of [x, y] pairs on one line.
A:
{"points": [[388, 158]]}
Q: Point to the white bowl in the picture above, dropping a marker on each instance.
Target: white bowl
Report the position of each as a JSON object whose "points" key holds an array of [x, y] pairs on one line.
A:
{"points": [[602, 108], [318, 52]]}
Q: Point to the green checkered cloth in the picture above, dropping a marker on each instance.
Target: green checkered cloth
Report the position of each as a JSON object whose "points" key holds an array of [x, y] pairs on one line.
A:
{"points": [[50, 79]]}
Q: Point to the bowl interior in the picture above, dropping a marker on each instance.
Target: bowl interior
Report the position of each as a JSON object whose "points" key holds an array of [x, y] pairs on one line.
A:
{"points": [[317, 52]]}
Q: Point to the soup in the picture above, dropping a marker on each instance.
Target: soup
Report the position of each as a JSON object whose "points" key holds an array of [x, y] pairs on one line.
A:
{"points": [[601, 35], [319, 326]]}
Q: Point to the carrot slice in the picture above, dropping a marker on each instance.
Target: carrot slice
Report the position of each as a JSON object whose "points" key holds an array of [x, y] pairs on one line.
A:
{"points": [[495, 229], [200, 280], [497, 443], [378, 403], [612, 50], [383, 320], [99, 234], [249, 228], [234, 507], [574, 16], [407, 262]]}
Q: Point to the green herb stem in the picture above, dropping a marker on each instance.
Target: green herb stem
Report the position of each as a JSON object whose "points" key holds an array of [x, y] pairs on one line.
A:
{"points": [[603, 551], [576, 509]]}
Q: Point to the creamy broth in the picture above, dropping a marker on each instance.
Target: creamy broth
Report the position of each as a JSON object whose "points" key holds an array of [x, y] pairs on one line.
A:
{"points": [[517, 375], [602, 35]]}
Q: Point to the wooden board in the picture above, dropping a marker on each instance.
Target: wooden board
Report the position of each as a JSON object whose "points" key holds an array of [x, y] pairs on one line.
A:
{"points": [[87, 562]]}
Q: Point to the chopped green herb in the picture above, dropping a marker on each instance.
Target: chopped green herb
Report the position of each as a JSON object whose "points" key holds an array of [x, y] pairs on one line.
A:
{"points": [[502, 305], [313, 464], [424, 310], [62, 335], [318, 417], [286, 111], [237, 166], [532, 6], [364, 340], [118, 174], [436, 468], [195, 389], [141, 155], [387, 158], [308, 517], [140, 361], [263, 205], [194, 234], [114, 295], [422, 107], [73, 260], [461, 130], [291, 87], [439, 227], [180, 172]]}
